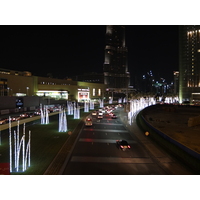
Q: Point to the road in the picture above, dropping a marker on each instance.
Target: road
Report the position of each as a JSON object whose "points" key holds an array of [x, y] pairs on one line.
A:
{"points": [[96, 153]]}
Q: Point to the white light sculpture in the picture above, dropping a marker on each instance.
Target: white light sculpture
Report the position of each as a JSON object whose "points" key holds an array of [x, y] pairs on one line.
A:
{"points": [[44, 115], [76, 112], [120, 100], [70, 108], [101, 102], [91, 105], [47, 116], [10, 144], [86, 106], [124, 100], [26, 156], [62, 120]]}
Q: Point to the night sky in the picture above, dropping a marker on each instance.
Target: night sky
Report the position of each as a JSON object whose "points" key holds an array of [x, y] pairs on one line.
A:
{"points": [[68, 50]]}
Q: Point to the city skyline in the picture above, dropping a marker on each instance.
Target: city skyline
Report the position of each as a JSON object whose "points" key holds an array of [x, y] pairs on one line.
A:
{"points": [[65, 51]]}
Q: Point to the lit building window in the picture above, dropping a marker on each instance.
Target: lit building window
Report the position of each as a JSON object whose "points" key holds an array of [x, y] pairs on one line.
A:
{"points": [[93, 92], [99, 92]]}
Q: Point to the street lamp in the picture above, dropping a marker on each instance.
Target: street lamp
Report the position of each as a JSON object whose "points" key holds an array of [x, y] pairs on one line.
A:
{"points": [[27, 88], [8, 90]]}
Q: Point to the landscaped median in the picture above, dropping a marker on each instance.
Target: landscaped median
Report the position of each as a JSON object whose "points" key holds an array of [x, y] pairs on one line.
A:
{"points": [[46, 143]]}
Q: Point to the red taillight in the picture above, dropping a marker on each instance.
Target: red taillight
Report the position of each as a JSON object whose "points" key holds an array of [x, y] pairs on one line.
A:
{"points": [[121, 146], [129, 146]]}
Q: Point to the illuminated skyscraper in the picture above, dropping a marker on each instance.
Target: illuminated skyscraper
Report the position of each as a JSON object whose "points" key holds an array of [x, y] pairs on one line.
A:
{"points": [[116, 75], [189, 63]]}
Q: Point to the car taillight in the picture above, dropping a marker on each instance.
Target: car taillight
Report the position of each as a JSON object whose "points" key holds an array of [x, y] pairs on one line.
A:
{"points": [[129, 146], [121, 146]]}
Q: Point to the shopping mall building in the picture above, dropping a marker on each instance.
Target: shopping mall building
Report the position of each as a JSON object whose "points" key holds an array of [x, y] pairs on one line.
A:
{"points": [[23, 90]]}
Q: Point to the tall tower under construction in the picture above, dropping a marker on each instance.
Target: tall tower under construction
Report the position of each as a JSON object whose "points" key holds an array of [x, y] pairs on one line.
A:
{"points": [[115, 68]]}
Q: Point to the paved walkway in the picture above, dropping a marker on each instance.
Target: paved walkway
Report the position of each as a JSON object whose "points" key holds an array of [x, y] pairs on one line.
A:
{"points": [[174, 123], [162, 158]]}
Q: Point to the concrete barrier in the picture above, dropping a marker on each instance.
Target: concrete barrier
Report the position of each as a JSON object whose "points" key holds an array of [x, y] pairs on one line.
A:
{"points": [[22, 121], [4, 112]]}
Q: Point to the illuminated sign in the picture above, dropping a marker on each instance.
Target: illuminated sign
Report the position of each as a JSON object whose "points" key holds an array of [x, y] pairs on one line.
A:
{"points": [[19, 102], [83, 89], [54, 94], [83, 96]]}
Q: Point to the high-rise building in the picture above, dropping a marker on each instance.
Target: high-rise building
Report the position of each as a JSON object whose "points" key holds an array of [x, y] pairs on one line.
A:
{"points": [[189, 63], [115, 68], [176, 83]]}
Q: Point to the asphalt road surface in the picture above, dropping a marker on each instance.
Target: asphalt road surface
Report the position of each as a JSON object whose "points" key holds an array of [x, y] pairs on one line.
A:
{"points": [[96, 153]]}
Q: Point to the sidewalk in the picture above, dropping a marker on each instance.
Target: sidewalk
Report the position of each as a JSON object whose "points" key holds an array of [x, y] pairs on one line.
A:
{"points": [[174, 123]]}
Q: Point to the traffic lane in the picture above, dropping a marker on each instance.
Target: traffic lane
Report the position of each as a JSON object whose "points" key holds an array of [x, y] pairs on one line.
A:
{"points": [[105, 117], [106, 149], [75, 168], [105, 134], [94, 158], [108, 126]]}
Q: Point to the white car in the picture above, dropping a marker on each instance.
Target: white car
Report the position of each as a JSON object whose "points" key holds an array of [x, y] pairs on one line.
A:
{"points": [[100, 116], [100, 113], [94, 113]]}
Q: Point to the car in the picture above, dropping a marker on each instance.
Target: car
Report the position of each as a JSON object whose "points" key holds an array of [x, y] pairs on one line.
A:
{"points": [[31, 114], [100, 116], [94, 113], [3, 120], [16, 118], [109, 111], [114, 116], [100, 113], [88, 122], [24, 115], [123, 145], [111, 114]]}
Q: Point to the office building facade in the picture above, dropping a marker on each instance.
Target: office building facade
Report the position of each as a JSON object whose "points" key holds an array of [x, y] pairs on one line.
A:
{"points": [[115, 68], [189, 63], [33, 90]]}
